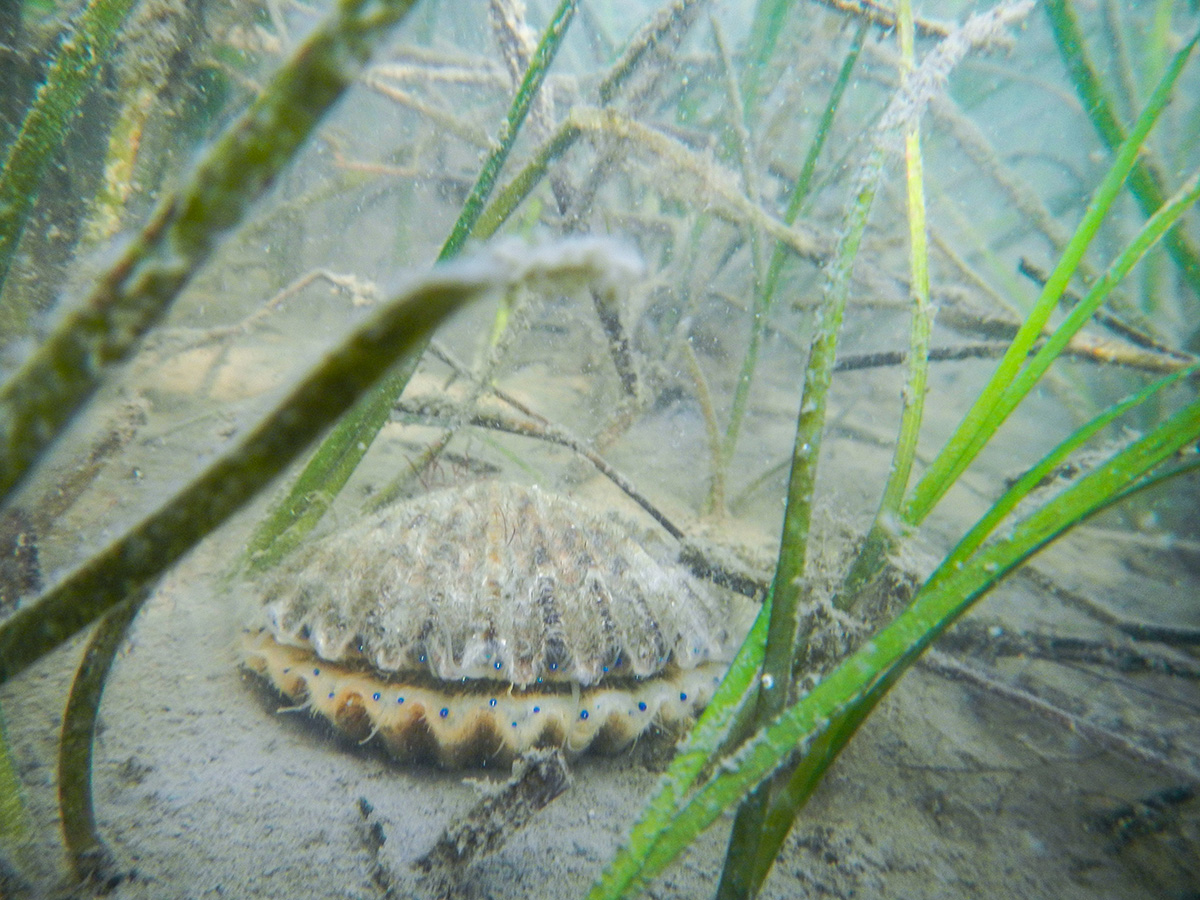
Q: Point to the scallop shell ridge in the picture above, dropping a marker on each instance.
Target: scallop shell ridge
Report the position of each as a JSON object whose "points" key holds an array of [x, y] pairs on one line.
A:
{"points": [[443, 600], [495, 581]]}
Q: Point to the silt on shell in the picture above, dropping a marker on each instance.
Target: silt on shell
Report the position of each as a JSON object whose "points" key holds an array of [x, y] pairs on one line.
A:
{"points": [[470, 624]]}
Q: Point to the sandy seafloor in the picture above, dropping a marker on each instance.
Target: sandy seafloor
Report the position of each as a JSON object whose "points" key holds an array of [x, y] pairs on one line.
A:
{"points": [[203, 791]]}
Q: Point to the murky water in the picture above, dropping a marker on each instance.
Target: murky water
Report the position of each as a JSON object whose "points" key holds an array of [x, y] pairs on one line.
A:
{"points": [[1048, 747]]}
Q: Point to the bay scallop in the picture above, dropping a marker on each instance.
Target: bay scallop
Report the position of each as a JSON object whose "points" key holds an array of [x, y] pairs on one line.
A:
{"points": [[471, 624]]}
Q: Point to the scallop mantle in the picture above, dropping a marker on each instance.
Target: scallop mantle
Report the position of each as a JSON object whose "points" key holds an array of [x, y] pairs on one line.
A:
{"points": [[469, 625]]}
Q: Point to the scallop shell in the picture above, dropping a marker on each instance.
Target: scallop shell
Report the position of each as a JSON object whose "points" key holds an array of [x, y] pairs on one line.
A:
{"points": [[471, 624]]}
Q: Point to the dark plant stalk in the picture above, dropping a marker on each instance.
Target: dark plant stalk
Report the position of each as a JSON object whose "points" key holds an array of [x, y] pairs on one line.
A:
{"points": [[89, 858], [883, 16], [335, 460], [53, 384], [134, 561]]}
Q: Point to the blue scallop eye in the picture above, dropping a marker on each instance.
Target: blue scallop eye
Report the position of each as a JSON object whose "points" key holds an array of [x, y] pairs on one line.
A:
{"points": [[492, 702], [375, 696], [331, 695], [498, 665], [316, 671], [683, 696], [445, 712], [553, 666], [584, 714], [399, 699], [537, 709], [642, 705]]}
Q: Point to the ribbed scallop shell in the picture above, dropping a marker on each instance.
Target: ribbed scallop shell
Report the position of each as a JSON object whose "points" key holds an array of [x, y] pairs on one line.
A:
{"points": [[470, 624], [495, 581]]}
